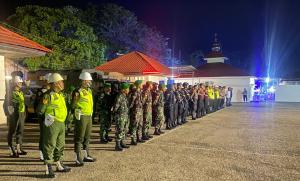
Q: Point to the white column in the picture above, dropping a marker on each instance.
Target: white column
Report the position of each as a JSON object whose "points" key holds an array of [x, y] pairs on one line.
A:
{"points": [[2, 89]]}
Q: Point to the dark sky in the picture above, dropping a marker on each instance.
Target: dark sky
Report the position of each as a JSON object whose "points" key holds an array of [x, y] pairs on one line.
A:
{"points": [[252, 32]]}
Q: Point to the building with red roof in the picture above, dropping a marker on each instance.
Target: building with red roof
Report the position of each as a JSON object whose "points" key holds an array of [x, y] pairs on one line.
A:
{"points": [[14, 47], [136, 66]]}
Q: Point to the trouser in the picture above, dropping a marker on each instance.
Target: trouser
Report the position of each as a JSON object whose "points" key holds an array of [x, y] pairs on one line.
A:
{"points": [[121, 122], [206, 107], [136, 121], [83, 129], [41, 124], [105, 124], [211, 105], [194, 110], [147, 118], [160, 118], [16, 127], [227, 101], [169, 112], [174, 123], [54, 142], [180, 112], [69, 121], [245, 98]]}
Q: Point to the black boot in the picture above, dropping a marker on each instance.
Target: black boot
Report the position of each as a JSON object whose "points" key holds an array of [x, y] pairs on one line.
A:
{"points": [[133, 142], [109, 139], [87, 157], [103, 141], [13, 152], [160, 132], [123, 145], [149, 136], [118, 146], [145, 137], [79, 161], [20, 150], [61, 167], [138, 139], [156, 132], [49, 171]]}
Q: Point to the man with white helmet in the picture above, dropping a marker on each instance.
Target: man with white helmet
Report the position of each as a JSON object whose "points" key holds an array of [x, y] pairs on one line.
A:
{"points": [[17, 115], [38, 104], [55, 111], [82, 104]]}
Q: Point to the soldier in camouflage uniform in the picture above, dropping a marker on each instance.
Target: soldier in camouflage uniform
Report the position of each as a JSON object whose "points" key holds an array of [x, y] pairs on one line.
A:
{"points": [[169, 106], [179, 97], [158, 108], [147, 110], [136, 112], [121, 116], [186, 100], [154, 92], [104, 106]]}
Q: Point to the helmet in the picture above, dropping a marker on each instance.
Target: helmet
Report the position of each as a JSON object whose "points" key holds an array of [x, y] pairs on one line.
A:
{"points": [[18, 79], [85, 76], [55, 77], [47, 76]]}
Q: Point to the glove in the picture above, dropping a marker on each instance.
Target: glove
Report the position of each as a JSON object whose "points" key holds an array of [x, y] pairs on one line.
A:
{"points": [[11, 110]]}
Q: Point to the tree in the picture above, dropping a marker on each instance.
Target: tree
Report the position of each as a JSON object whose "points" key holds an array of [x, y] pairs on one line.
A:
{"points": [[74, 44]]}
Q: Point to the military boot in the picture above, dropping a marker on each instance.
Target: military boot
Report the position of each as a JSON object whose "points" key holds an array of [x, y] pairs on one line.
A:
{"points": [[133, 142], [156, 132], [20, 150], [78, 160], [138, 139], [87, 157], [118, 146], [49, 171], [149, 136], [145, 137], [123, 145], [60, 167], [13, 152], [103, 141], [109, 139], [160, 131]]}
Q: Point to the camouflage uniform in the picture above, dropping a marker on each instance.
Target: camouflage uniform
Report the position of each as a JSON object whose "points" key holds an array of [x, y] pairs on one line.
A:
{"points": [[147, 112], [136, 113], [104, 105], [121, 116], [158, 108]]}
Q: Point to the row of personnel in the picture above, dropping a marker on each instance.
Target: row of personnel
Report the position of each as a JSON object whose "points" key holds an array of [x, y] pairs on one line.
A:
{"points": [[134, 109]]}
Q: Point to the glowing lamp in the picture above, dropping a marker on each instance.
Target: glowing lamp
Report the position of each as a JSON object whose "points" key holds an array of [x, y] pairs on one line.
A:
{"points": [[267, 80]]}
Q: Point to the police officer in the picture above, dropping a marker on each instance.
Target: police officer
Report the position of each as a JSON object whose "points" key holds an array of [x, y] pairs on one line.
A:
{"points": [[83, 111], [104, 106], [121, 116], [55, 110], [169, 105], [194, 99], [17, 115]]}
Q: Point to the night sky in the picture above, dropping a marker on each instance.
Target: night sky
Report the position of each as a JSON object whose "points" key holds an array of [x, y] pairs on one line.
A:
{"points": [[253, 33]]}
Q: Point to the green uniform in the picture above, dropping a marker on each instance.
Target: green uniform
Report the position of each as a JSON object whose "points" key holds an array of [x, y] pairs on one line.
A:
{"points": [[104, 106], [136, 112], [147, 111], [83, 101], [17, 118], [121, 116], [54, 106], [158, 108]]}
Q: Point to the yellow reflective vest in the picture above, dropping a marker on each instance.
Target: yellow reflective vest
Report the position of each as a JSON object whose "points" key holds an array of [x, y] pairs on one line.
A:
{"points": [[18, 98], [85, 102], [210, 92], [217, 93], [56, 106]]}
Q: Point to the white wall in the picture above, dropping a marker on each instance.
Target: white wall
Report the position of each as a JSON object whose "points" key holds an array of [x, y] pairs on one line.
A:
{"points": [[2, 89], [287, 93], [237, 83]]}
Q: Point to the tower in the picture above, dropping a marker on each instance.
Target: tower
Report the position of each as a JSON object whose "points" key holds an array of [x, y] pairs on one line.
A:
{"points": [[215, 55]]}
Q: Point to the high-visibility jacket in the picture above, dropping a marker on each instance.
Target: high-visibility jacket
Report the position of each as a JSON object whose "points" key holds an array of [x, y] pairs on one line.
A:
{"points": [[18, 100], [217, 94], [210, 92], [85, 102], [56, 106]]}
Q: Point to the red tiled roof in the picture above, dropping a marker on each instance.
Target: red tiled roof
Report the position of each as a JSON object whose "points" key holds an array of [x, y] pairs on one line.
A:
{"points": [[214, 55], [135, 63], [218, 70], [11, 38]]}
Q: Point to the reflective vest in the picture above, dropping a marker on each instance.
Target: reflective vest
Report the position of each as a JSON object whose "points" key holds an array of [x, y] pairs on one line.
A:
{"points": [[217, 93], [18, 98], [57, 107], [210, 92], [85, 102]]}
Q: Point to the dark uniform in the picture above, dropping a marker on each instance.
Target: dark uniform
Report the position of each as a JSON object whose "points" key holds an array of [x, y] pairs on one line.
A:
{"points": [[194, 100], [169, 106]]}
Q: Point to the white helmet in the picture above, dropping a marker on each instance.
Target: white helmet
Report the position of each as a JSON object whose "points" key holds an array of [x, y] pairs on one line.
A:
{"points": [[85, 76], [47, 76], [18, 79], [55, 77]]}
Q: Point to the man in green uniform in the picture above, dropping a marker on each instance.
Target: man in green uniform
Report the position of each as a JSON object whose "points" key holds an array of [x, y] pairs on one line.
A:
{"points": [[83, 106], [147, 110], [121, 114], [104, 106], [158, 108], [16, 118], [55, 110], [136, 112]]}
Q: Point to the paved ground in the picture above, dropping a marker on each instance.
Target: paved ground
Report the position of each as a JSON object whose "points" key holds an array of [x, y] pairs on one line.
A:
{"points": [[243, 142]]}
